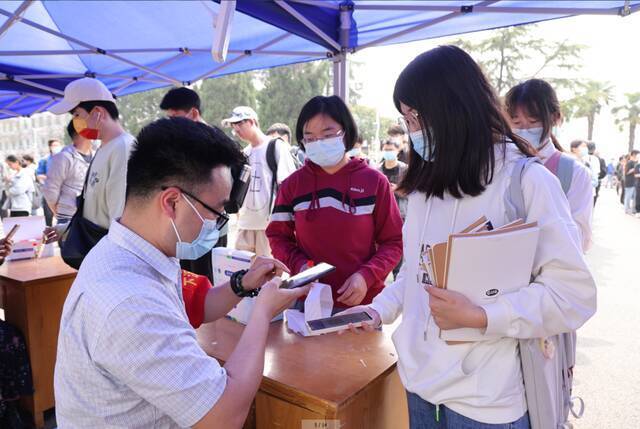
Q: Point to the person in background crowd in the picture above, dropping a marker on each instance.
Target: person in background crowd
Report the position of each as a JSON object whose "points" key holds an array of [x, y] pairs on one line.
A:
{"points": [[65, 176], [20, 189], [184, 102], [599, 168], [611, 174], [254, 214], [620, 176], [630, 183], [637, 176], [5, 175], [397, 134], [55, 146], [127, 354], [534, 110], [283, 132], [357, 151], [463, 157], [95, 116], [394, 171], [336, 209], [580, 151], [29, 165]]}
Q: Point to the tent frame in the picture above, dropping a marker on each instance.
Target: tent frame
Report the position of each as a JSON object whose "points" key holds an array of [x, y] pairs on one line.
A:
{"points": [[339, 55]]}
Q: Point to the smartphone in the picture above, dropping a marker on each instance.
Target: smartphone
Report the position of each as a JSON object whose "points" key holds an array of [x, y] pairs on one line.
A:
{"points": [[308, 276], [338, 323], [12, 232]]}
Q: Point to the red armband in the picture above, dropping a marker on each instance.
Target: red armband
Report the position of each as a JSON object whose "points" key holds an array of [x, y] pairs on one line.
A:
{"points": [[194, 292]]}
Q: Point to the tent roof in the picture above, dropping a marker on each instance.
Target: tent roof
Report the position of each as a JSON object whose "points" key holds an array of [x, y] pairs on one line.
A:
{"points": [[141, 45]]}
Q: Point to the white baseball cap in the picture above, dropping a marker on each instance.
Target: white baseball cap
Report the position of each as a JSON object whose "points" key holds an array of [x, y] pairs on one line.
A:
{"points": [[240, 113], [85, 89]]}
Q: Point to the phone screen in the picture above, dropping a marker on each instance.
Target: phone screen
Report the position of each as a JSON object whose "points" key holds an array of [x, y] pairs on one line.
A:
{"points": [[306, 277], [342, 320]]}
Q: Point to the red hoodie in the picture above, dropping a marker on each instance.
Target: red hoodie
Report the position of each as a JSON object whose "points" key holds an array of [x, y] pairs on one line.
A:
{"points": [[349, 219]]}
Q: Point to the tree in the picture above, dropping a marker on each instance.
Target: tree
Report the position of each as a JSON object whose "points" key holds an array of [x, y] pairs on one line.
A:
{"points": [[588, 102], [371, 126], [219, 96], [629, 113], [288, 88], [137, 110], [506, 52]]}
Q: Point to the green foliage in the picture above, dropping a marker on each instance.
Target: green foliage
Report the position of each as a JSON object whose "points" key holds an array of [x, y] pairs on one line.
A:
{"points": [[219, 96], [629, 115], [590, 97], [370, 126], [287, 89], [137, 110], [506, 52]]}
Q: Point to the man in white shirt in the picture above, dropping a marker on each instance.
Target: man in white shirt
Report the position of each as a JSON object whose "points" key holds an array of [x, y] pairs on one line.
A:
{"points": [[95, 116], [127, 355], [256, 210]]}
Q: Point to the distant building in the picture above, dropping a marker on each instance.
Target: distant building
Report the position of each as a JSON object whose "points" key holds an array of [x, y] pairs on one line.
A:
{"points": [[22, 135]]}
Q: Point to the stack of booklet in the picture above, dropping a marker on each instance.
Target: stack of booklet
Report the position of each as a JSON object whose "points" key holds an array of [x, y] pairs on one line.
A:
{"points": [[483, 263]]}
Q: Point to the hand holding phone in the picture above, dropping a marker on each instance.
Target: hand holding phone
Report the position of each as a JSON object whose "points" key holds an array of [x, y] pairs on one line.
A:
{"points": [[339, 322], [13, 231], [312, 274]]}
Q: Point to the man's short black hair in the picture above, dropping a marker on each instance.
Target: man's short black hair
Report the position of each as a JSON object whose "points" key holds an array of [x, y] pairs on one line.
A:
{"points": [[178, 152], [333, 107], [635, 152], [11, 158], [109, 106], [180, 99], [71, 130], [52, 141], [592, 147], [28, 158], [280, 129]]}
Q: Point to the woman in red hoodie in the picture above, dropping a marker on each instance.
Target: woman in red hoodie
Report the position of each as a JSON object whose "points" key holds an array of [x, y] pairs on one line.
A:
{"points": [[335, 209]]}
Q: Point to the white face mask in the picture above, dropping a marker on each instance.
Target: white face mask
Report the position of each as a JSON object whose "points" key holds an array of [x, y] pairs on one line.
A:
{"points": [[325, 152], [532, 135]]}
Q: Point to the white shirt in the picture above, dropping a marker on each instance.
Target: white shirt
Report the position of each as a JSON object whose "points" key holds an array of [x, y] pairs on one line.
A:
{"points": [[127, 355], [20, 191], [580, 195], [105, 194], [255, 211], [483, 380]]}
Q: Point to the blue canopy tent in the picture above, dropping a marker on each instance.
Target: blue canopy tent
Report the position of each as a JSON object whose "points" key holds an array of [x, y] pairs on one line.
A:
{"points": [[140, 45]]}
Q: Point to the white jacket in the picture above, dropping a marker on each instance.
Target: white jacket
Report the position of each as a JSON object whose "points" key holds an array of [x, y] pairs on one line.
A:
{"points": [[65, 178], [483, 380], [20, 191], [580, 195]]}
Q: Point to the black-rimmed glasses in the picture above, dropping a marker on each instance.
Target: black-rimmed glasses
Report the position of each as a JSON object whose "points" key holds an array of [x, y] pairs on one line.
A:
{"points": [[222, 217]]}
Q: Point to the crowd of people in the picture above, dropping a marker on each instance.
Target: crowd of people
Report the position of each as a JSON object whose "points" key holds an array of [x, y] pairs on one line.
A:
{"points": [[157, 202]]}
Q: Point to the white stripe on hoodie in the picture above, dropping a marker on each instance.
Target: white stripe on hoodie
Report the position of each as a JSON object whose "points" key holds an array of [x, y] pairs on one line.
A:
{"points": [[483, 381]]}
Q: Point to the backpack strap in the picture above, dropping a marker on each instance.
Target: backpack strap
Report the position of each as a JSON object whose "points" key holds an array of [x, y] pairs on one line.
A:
{"points": [[565, 172], [272, 163], [514, 198]]}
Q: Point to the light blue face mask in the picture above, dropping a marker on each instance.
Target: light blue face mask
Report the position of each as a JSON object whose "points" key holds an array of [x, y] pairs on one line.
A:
{"points": [[390, 155], [206, 239], [417, 139], [532, 135], [326, 152]]}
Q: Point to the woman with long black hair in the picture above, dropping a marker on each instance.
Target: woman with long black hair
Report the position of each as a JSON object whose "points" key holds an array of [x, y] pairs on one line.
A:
{"points": [[462, 159]]}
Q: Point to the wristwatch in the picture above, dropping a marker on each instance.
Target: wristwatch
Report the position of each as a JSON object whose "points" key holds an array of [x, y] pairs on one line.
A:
{"points": [[236, 285]]}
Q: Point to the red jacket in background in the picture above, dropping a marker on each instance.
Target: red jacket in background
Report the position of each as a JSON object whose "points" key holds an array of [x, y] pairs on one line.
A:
{"points": [[349, 219], [194, 292]]}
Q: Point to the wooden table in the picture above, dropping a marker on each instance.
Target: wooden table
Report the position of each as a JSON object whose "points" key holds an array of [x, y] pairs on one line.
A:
{"points": [[324, 382], [32, 295]]}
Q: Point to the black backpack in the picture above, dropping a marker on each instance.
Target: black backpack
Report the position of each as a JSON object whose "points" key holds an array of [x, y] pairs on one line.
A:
{"points": [[272, 163]]}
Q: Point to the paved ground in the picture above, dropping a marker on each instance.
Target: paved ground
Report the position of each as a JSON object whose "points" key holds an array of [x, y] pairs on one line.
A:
{"points": [[608, 360]]}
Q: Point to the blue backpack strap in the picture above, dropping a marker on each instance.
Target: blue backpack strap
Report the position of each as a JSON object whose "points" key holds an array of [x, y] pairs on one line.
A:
{"points": [[565, 172], [514, 198]]}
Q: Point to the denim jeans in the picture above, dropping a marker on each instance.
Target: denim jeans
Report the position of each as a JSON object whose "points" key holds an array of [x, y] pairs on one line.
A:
{"points": [[422, 415], [630, 199]]}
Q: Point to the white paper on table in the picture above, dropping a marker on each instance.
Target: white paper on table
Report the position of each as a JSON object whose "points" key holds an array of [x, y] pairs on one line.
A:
{"points": [[317, 305]]}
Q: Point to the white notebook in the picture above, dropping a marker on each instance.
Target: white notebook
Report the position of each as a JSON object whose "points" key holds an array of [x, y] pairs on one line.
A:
{"points": [[486, 265]]}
